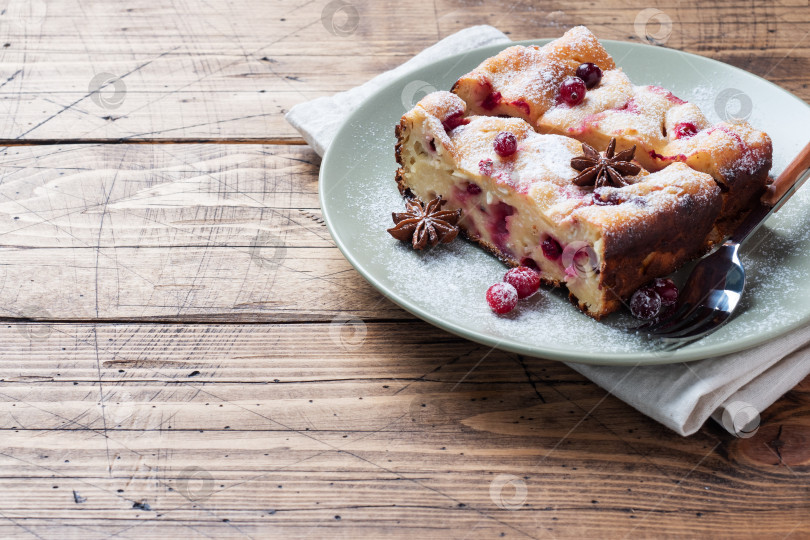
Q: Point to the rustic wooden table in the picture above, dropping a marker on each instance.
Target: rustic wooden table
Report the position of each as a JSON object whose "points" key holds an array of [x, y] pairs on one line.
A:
{"points": [[185, 352]]}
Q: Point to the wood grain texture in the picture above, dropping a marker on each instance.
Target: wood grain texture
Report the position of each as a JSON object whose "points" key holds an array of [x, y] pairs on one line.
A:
{"points": [[230, 70], [171, 232], [184, 352], [274, 430]]}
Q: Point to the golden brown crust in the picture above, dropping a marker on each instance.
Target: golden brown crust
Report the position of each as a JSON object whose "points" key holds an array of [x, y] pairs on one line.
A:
{"points": [[533, 91], [651, 118], [668, 243], [610, 305]]}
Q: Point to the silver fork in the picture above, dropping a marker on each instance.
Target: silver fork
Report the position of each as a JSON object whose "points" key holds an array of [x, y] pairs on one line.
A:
{"points": [[715, 286]]}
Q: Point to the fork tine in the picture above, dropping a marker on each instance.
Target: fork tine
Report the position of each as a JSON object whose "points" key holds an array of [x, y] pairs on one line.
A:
{"points": [[695, 315], [655, 326], [710, 325], [705, 317], [683, 315]]}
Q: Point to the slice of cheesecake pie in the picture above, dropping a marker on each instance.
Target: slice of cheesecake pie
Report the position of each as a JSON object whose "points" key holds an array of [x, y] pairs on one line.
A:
{"points": [[571, 87], [602, 229]]}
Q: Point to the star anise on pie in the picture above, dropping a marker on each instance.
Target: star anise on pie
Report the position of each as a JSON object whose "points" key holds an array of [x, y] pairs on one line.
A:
{"points": [[425, 225], [597, 170]]}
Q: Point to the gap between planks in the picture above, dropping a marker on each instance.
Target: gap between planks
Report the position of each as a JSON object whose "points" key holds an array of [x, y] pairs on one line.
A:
{"points": [[210, 321], [247, 140]]}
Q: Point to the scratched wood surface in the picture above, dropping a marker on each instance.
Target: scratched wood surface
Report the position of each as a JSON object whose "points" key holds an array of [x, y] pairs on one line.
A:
{"points": [[184, 352], [214, 70]]}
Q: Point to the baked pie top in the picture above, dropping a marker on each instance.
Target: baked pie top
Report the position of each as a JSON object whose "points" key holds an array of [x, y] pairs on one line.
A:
{"points": [[541, 168], [523, 81], [526, 82]]}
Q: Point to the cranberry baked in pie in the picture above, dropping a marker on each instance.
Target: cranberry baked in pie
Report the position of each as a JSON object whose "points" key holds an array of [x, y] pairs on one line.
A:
{"points": [[572, 87], [602, 229]]}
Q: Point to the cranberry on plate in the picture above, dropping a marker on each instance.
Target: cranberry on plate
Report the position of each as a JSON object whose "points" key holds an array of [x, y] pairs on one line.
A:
{"points": [[525, 280], [656, 299], [502, 298], [645, 303]]}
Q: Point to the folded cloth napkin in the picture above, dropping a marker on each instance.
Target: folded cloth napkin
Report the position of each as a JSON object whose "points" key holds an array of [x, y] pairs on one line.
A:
{"points": [[732, 389]]}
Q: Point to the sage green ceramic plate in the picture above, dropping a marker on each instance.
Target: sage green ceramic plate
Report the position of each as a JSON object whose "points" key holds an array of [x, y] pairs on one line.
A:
{"points": [[446, 286]]}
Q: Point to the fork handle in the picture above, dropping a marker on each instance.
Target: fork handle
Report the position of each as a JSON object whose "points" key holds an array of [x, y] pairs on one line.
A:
{"points": [[780, 190], [776, 195]]}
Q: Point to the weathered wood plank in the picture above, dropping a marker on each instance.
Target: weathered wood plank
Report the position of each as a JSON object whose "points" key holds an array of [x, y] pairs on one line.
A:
{"points": [[186, 284], [202, 70], [79, 196], [171, 232], [276, 429], [262, 430]]}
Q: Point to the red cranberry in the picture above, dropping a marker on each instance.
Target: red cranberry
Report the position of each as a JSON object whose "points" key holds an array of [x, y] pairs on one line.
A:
{"points": [[491, 101], [522, 105], [590, 74], [526, 261], [502, 298], [473, 189], [645, 303], [498, 225], [667, 290], [505, 144], [454, 120], [485, 166], [572, 91], [525, 280], [685, 130], [551, 249]]}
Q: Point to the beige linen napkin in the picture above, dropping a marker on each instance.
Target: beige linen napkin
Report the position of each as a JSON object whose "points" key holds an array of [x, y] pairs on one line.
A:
{"points": [[732, 389]]}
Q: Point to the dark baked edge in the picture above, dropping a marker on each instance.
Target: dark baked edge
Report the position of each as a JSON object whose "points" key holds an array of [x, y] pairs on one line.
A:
{"points": [[741, 195]]}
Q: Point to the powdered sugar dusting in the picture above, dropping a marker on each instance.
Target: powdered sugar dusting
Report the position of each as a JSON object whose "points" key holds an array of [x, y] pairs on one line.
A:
{"points": [[539, 158], [450, 281], [542, 69], [554, 153]]}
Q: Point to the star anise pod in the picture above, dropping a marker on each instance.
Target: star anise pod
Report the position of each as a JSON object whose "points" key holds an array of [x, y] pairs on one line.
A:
{"points": [[425, 225], [597, 170]]}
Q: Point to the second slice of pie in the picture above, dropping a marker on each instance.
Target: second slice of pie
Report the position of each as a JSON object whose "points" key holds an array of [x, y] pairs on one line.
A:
{"points": [[525, 82]]}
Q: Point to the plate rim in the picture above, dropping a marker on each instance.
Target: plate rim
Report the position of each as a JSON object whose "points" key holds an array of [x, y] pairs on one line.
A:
{"points": [[619, 359]]}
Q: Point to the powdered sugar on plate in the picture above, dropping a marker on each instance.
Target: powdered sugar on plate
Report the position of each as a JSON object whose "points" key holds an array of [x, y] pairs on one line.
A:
{"points": [[449, 282]]}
